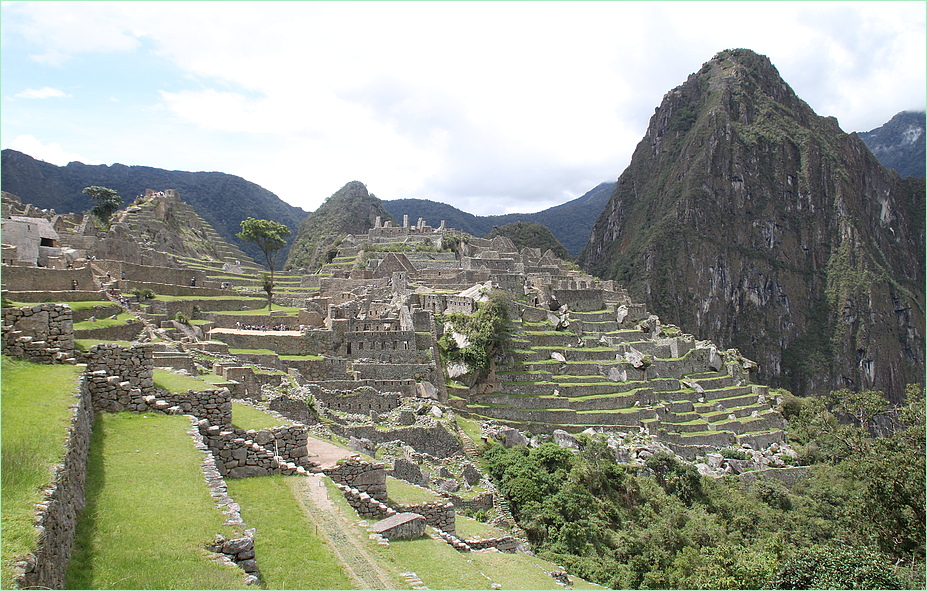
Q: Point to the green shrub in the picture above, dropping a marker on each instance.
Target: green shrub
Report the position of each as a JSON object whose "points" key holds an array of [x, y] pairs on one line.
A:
{"points": [[732, 453]]}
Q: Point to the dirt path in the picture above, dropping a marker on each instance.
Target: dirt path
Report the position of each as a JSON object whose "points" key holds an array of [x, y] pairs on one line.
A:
{"points": [[327, 454], [337, 528]]}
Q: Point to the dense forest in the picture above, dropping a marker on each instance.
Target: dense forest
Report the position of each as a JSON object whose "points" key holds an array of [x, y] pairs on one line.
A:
{"points": [[856, 521]]}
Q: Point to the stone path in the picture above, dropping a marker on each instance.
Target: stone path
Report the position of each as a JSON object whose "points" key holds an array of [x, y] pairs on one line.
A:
{"points": [[332, 524]]}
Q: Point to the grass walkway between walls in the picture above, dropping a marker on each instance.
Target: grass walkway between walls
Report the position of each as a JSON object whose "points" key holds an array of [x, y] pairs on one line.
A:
{"points": [[35, 422], [290, 552], [149, 514]]}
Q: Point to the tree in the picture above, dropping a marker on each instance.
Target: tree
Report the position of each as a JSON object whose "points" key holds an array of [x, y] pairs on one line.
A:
{"points": [[270, 237], [106, 202]]}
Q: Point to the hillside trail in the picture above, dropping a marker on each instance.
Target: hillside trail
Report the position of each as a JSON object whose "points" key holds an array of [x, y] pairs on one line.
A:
{"points": [[335, 526]]}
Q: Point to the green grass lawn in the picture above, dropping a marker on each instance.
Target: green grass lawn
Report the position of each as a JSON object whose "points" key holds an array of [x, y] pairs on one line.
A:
{"points": [[247, 417], [404, 493], [120, 319], [178, 383], [85, 344], [291, 555], [469, 528], [34, 423], [251, 352], [149, 514]]}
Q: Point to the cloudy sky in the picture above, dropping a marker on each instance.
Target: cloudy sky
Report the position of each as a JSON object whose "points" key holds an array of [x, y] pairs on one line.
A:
{"points": [[492, 107]]}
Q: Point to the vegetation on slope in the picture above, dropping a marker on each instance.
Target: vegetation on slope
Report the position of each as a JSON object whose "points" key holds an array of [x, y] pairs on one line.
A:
{"points": [[529, 235], [351, 210], [223, 200], [856, 520]]}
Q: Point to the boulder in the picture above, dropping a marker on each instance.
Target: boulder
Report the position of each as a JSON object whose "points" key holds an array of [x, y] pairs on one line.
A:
{"points": [[513, 437], [564, 439]]}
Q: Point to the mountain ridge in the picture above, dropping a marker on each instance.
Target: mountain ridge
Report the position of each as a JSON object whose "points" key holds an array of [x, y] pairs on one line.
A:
{"points": [[222, 199], [900, 143]]}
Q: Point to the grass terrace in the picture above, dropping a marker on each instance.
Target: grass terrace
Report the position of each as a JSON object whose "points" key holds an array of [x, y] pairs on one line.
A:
{"points": [[156, 540], [404, 493], [119, 320], [245, 416], [35, 423], [291, 553]]}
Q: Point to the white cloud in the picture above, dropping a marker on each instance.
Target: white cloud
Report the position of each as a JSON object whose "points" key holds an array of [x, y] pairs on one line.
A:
{"points": [[51, 152], [41, 93]]}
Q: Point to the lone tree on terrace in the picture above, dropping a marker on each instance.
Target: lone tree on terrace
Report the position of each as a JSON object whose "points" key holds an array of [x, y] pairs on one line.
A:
{"points": [[270, 237], [106, 202]]}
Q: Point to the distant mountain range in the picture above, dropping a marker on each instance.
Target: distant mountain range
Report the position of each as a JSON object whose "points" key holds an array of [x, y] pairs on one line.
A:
{"points": [[223, 200], [570, 222], [899, 144]]}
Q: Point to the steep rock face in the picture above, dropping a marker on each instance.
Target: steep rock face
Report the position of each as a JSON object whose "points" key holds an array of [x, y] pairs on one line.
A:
{"points": [[900, 143], [351, 210], [746, 218]]}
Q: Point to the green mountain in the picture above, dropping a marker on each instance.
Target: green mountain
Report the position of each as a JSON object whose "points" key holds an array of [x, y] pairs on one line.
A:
{"points": [[528, 235], [747, 219], [351, 210], [221, 199], [899, 144], [569, 222]]}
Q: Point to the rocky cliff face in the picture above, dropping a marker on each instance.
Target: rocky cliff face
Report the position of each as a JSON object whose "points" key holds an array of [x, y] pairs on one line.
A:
{"points": [[900, 143], [351, 210], [746, 218]]}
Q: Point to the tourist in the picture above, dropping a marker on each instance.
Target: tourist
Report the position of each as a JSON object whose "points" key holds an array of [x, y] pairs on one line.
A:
{"points": [[74, 284]]}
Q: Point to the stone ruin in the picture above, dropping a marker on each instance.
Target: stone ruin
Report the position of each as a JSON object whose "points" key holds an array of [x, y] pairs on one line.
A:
{"points": [[363, 354]]}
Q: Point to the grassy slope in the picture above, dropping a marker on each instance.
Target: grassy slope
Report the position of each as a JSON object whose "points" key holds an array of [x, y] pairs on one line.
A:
{"points": [[34, 423], [291, 555], [149, 514]]}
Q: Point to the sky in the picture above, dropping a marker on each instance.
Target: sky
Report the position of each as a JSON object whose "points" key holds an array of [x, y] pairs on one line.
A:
{"points": [[492, 107]]}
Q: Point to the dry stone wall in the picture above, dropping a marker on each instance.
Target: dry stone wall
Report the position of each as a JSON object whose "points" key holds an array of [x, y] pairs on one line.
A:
{"points": [[437, 514], [240, 453], [43, 333], [366, 477]]}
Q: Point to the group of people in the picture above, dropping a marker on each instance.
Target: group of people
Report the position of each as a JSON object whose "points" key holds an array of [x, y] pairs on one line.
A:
{"points": [[280, 326]]}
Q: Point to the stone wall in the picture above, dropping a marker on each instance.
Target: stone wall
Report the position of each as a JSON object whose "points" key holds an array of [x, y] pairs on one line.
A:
{"points": [[128, 331], [240, 454], [436, 514], [122, 379], [151, 274], [366, 477], [503, 543], [435, 441], [57, 513], [361, 400], [365, 505], [43, 333], [44, 280]]}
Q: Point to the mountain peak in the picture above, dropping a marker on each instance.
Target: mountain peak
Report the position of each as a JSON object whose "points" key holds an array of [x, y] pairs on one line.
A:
{"points": [[746, 217]]}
